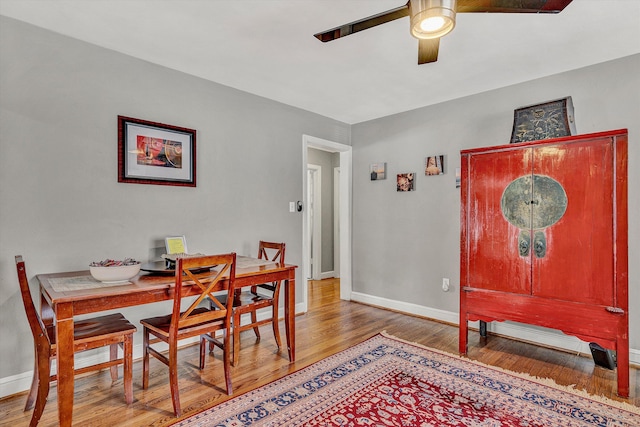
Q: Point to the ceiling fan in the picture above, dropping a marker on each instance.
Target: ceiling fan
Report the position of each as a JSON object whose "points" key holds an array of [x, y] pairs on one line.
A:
{"points": [[432, 19]]}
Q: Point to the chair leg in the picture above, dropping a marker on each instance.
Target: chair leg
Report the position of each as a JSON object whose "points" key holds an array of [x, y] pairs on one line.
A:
{"points": [[127, 348], [235, 356], [145, 359], [211, 344], [44, 372], [31, 398], [113, 355], [226, 360], [173, 378], [274, 324], [254, 319], [203, 347]]}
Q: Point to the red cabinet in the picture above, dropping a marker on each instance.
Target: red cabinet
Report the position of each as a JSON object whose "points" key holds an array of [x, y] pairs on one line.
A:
{"points": [[544, 238]]}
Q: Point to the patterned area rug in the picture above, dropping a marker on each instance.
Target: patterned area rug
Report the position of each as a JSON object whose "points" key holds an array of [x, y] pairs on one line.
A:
{"points": [[385, 381]]}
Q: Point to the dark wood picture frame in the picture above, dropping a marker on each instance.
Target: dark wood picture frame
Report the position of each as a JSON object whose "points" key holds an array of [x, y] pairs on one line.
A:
{"points": [[155, 153]]}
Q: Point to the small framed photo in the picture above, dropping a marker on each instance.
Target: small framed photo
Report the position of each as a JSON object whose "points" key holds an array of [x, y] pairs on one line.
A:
{"points": [[378, 171], [405, 182], [434, 165], [155, 153], [176, 245]]}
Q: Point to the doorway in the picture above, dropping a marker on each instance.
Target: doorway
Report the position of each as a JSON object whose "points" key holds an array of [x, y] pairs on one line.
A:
{"points": [[336, 222], [344, 212], [313, 215]]}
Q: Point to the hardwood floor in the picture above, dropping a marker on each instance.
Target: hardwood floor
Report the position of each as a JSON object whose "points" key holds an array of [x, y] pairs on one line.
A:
{"points": [[329, 326]]}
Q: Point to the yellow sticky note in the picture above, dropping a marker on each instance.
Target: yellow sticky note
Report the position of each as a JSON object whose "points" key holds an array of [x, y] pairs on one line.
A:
{"points": [[175, 245]]}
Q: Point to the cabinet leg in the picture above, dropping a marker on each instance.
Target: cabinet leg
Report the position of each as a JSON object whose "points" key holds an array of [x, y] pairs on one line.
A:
{"points": [[622, 356], [462, 341], [483, 329]]}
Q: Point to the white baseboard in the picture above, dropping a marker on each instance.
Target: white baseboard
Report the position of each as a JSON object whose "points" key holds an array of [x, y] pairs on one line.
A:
{"points": [[327, 275], [542, 336], [406, 307], [15, 384]]}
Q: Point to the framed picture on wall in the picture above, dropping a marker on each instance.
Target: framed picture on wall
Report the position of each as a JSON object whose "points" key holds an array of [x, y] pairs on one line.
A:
{"points": [[378, 171], [434, 165], [405, 181], [155, 153]]}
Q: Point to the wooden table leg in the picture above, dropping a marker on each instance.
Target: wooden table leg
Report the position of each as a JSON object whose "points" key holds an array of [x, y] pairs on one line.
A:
{"points": [[289, 316], [64, 338]]}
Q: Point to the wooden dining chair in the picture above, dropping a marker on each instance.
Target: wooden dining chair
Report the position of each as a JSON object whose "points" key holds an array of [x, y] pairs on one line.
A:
{"points": [[112, 330], [196, 320], [258, 297]]}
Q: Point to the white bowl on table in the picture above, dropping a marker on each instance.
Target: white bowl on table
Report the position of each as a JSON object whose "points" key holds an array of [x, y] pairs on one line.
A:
{"points": [[115, 273]]}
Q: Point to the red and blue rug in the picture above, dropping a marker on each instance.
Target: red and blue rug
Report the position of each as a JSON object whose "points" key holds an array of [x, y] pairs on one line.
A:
{"points": [[385, 381]]}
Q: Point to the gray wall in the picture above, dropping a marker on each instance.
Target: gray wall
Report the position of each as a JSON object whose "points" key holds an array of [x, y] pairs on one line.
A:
{"points": [[61, 205], [405, 243]]}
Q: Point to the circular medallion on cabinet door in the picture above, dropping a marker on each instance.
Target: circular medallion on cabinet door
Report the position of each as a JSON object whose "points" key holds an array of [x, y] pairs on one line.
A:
{"points": [[533, 202]]}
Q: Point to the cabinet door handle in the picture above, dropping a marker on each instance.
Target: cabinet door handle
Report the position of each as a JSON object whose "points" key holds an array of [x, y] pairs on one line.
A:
{"points": [[539, 244], [524, 243]]}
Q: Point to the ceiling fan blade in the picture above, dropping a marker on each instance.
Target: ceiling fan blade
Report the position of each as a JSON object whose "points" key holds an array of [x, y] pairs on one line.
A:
{"points": [[428, 50], [512, 6], [363, 24]]}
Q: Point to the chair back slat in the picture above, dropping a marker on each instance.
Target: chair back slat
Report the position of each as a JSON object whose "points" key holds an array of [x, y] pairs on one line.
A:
{"points": [[207, 287], [203, 286], [275, 251], [35, 322]]}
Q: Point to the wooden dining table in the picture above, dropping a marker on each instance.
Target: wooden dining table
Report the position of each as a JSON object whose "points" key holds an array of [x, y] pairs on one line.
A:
{"points": [[68, 294]]}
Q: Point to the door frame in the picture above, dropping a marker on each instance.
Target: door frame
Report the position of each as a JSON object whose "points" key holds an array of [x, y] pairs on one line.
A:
{"points": [[345, 210]]}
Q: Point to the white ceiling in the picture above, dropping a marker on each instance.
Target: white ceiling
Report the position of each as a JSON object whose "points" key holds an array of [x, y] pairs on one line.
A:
{"points": [[266, 47]]}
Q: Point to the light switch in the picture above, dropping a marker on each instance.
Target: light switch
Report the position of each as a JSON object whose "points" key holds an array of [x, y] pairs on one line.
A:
{"points": [[292, 206]]}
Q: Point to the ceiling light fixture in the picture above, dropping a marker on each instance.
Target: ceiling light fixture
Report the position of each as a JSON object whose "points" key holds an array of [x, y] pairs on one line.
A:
{"points": [[431, 19]]}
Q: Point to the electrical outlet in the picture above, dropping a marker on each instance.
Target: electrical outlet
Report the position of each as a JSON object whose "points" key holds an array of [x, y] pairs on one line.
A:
{"points": [[445, 284]]}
